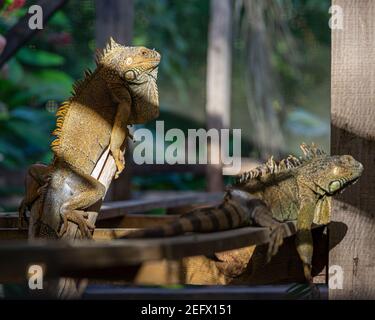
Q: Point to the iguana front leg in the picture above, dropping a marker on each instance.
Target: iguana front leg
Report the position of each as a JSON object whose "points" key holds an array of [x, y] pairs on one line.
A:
{"points": [[120, 129], [304, 241], [261, 215], [89, 192], [35, 178]]}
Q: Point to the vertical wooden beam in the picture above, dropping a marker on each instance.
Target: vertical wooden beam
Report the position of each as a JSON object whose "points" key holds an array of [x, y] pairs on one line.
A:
{"points": [[219, 57], [114, 18], [353, 132]]}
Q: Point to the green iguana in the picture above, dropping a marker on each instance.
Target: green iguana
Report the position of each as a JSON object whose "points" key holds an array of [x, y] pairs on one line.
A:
{"points": [[294, 189], [122, 90]]}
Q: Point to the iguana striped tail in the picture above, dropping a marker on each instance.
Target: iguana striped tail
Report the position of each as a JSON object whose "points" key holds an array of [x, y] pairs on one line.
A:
{"points": [[230, 214]]}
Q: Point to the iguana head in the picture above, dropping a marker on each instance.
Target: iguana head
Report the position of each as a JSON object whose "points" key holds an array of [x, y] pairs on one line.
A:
{"points": [[136, 68], [315, 176], [328, 175], [323, 174]]}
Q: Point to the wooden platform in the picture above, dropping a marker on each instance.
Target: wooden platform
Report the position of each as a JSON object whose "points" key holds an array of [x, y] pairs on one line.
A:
{"points": [[155, 261], [67, 257]]}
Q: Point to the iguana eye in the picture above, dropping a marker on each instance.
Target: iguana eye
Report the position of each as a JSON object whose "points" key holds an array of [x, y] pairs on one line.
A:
{"points": [[130, 75], [334, 186]]}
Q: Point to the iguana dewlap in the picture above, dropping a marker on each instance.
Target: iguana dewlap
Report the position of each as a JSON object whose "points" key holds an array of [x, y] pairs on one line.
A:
{"points": [[121, 91], [294, 189]]}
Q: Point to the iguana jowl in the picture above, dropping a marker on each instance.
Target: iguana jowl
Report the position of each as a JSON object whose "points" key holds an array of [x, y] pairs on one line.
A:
{"points": [[121, 91], [294, 189]]}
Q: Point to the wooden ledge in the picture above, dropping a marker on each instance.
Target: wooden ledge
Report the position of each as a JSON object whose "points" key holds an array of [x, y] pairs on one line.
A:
{"points": [[61, 257]]}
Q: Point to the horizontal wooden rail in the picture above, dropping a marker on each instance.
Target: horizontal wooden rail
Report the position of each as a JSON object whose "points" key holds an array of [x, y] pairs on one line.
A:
{"points": [[148, 201], [64, 257], [158, 200], [10, 221], [260, 292]]}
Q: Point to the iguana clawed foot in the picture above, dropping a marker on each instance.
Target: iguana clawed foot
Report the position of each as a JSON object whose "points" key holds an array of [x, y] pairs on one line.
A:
{"points": [[277, 235], [119, 158], [78, 217]]}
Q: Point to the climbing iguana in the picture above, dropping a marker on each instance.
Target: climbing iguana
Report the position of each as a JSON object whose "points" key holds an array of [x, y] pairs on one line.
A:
{"points": [[294, 189], [121, 91]]}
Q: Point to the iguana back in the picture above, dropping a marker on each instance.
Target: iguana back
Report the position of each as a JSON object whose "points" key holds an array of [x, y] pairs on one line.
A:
{"points": [[84, 123]]}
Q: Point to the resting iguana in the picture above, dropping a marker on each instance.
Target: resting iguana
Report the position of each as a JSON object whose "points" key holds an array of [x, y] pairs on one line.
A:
{"points": [[121, 91], [294, 189]]}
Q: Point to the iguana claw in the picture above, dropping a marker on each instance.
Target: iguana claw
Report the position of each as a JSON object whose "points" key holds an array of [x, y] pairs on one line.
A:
{"points": [[277, 235], [120, 164], [80, 218]]}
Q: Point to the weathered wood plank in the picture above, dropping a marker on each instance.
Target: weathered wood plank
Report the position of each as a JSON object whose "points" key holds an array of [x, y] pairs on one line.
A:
{"points": [[65, 256], [148, 201], [284, 267], [126, 221], [194, 293], [135, 221], [99, 233], [13, 233], [119, 208], [353, 132]]}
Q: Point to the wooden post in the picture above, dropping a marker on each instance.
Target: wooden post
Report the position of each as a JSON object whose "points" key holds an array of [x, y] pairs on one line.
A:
{"points": [[353, 132], [114, 18], [218, 81]]}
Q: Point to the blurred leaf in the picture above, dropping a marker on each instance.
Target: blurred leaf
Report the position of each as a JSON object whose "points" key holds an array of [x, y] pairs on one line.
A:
{"points": [[27, 132], [15, 71], [39, 58], [49, 85], [11, 155], [27, 114], [21, 97], [59, 19], [4, 115]]}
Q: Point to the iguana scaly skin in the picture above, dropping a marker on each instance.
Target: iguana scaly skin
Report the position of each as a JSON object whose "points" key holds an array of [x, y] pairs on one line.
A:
{"points": [[121, 91], [294, 189]]}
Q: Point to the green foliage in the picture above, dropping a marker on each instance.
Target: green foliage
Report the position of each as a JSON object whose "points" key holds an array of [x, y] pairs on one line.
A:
{"points": [[39, 58], [32, 78], [179, 30], [23, 130]]}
